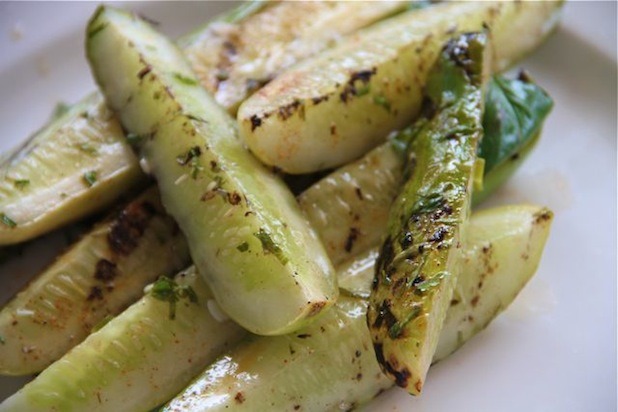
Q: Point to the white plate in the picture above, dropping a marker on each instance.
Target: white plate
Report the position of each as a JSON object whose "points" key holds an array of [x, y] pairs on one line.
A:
{"points": [[555, 348]]}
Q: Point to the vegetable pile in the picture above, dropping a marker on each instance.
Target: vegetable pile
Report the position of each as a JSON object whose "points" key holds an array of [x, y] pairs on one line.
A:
{"points": [[301, 235]]}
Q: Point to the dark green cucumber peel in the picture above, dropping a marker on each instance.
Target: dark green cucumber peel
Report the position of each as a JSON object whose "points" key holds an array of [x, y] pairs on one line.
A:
{"points": [[416, 269]]}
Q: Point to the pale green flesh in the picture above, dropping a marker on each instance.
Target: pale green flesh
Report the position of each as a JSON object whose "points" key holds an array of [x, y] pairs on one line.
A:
{"points": [[94, 279], [135, 362], [331, 365], [332, 108], [223, 199], [55, 161], [43, 184]]}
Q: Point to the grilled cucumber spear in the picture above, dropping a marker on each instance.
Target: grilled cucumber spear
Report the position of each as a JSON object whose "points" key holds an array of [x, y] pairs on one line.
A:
{"points": [[265, 265], [419, 259], [330, 366], [332, 108], [80, 162]]}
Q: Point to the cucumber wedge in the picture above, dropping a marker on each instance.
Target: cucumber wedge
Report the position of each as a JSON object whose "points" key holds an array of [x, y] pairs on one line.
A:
{"points": [[98, 277], [46, 183], [265, 265], [136, 361], [330, 365], [75, 166], [332, 108], [420, 258]]}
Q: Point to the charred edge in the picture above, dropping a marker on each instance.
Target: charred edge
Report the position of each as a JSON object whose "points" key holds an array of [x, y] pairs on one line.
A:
{"points": [[129, 227], [255, 122], [319, 99], [239, 398], [350, 89], [285, 112], [105, 270], [401, 377], [384, 316], [359, 192], [352, 236]]}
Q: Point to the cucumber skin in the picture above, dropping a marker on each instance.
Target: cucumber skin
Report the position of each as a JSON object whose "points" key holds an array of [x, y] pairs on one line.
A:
{"points": [[330, 109], [98, 276], [135, 362], [222, 198], [331, 365]]}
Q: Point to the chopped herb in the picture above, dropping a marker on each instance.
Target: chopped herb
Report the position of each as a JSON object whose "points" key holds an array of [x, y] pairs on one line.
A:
{"points": [[90, 178], [432, 282], [186, 80], [21, 183], [2, 341], [102, 323], [269, 246], [428, 203], [191, 158], [395, 331], [167, 290], [7, 221], [243, 247], [361, 91], [381, 101]]}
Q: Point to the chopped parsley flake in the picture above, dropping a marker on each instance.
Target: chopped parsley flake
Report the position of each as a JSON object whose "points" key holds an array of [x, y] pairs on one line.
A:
{"points": [[90, 178], [185, 79], [381, 101], [2, 341], [192, 159], [21, 183], [243, 247], [432, 282], [167, 290], [7, 221], [361, 91], [269, 246]]}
